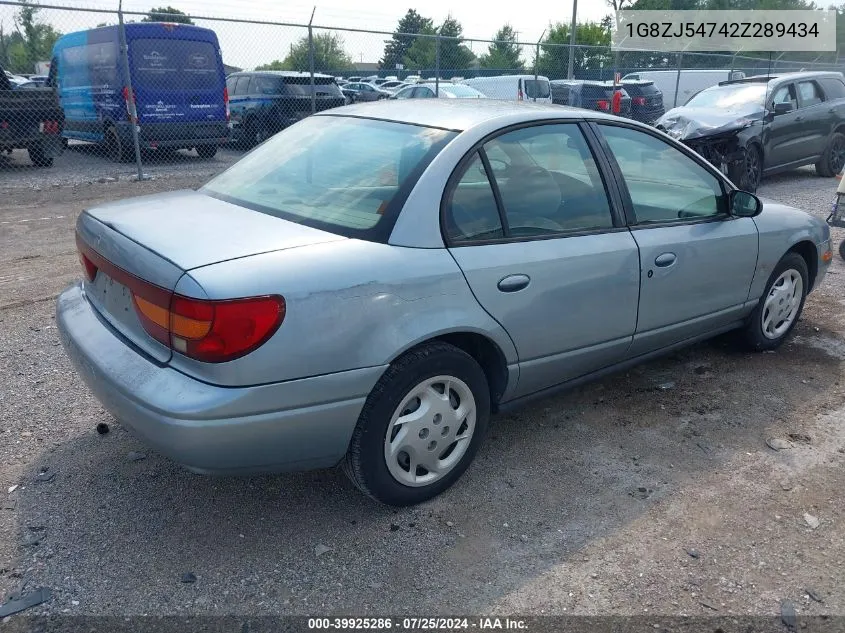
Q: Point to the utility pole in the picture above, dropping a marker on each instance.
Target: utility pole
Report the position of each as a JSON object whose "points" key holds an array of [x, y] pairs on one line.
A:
{"points": [[570, 72]]}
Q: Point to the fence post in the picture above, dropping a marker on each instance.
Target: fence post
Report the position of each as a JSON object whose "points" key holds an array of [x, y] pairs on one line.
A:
{"points": [[678, 79], [311, 61], [437, 65], [573, 28], [130, 93]]}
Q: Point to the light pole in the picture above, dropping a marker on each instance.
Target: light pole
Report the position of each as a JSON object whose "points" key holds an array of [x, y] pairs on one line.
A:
{"points": [[570, 71]]}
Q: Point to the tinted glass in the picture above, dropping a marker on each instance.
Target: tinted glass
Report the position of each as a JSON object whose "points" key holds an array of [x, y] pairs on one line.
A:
{"points": [[242, 87], [318, 172], [537, 88], [166, 64], [665, 185], [549, 181], [833, 88], [405, 93], [301, 87], [471, 212]]}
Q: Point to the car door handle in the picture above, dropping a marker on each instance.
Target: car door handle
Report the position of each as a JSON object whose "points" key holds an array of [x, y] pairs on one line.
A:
{"points": [[664, 260], [513, 283]]}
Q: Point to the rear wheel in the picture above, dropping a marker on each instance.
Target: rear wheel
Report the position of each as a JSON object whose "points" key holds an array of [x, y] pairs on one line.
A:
{"points": [[207, 151], [420, 427], [39, 157], [833, 158], [842, 249], [116, 150], [780, 306]]}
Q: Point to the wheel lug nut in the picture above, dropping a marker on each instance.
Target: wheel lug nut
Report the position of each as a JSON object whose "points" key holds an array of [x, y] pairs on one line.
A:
{"points": [[423, 433], [432, 445], [437, 418]]}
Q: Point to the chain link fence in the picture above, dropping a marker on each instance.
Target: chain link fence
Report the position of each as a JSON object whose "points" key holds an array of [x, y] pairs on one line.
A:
{"points": [[148, 89]]}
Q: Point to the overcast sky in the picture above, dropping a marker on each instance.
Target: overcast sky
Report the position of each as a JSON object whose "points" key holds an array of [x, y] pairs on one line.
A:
{"points": [[248, 45]]}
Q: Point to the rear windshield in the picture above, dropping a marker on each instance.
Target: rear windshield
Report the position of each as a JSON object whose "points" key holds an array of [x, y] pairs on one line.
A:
{"points": [[537, 88], [295, 86], [461, 91], [170, 64], [318, 172], [641, 89]]}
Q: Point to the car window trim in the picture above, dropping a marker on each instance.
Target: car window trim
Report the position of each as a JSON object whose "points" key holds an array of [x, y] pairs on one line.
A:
{"points": [[497, 194], [628, 203], [460, 168]]}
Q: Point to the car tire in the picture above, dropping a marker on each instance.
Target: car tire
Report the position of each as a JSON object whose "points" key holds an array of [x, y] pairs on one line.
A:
{"points": [[842, 249], [833, 157], [377, 462], [39, 157], [207, 152], [749, 172], [780, 306], [115, 148]]}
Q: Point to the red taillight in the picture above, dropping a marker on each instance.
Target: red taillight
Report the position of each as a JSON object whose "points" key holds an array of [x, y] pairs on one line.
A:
{"points": [[89, 267], [206, 330], [638, 101], [49, 127], [226, 101], [603, 104]]}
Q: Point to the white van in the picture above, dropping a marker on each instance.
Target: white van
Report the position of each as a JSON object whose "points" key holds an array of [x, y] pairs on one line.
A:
{"points": [[513, 87], [692, 81]]}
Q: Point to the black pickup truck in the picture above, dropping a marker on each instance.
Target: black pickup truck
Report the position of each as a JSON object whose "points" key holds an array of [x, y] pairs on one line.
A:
{"points": [[30, 119], [757, 126]]}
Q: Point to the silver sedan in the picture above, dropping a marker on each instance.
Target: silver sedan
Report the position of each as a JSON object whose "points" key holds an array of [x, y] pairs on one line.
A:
{"points": [[329, 301]]}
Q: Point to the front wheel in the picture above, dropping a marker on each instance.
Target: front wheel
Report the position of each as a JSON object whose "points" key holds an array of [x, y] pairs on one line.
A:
{"points": [[780, 306], [420, 426], [748, 173], [842, 249], [207, 152]]}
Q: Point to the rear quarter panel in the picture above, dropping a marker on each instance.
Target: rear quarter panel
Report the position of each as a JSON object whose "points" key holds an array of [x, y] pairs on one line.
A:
{"points": [[350, 304], [780, 228]]}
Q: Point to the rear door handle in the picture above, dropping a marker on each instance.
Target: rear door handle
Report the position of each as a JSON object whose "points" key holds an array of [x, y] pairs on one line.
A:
{"points": [[664, 260], [514, 283]]}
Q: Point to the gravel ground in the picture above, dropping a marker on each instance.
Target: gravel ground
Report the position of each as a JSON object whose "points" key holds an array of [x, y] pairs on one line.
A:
{"points": [[622, 497]]}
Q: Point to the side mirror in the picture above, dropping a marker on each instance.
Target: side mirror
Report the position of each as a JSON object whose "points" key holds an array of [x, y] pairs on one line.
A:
{"points": [[783, 108], [744, 204]]}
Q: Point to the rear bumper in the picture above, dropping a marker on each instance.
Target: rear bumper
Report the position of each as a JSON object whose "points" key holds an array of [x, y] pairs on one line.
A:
{"points": [[180, 135], [293, 425]]}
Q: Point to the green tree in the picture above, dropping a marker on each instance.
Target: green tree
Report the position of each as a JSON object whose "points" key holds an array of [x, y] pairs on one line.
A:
{"points": [[167, 14], [329, 56], [31, 41], [592, 39], [454, 54], [422, 54], [503, 53], [403, 39]]}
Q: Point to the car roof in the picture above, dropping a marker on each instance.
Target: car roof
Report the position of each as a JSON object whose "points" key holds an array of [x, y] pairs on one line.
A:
{"points": [[793, 76], [281, 73], [459, 114]]}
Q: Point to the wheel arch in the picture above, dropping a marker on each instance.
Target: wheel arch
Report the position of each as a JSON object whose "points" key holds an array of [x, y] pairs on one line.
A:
{"points": [[807, 250]]}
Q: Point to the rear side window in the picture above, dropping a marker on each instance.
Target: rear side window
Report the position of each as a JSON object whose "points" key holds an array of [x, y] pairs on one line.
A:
{"points": [[301, 87], [537, 88], [170, 64], [833, 88], [471, 213], [242, 87]]}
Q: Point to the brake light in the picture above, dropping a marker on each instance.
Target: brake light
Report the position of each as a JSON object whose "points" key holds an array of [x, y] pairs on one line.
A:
{"points": [[88, 266], [638, 101], [226, 101], [49, 127], [603, 104], [519, 94], [212, 331]]}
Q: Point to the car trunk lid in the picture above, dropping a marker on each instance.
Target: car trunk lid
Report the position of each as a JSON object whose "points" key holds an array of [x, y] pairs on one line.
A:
{"points": [[152, 241]]}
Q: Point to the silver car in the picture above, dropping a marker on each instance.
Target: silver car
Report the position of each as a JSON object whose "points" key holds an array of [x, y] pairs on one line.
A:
{"points": [[329, 301]]}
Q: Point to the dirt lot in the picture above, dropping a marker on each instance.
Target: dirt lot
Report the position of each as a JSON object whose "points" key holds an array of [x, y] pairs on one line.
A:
{"points": [[651, 492]]}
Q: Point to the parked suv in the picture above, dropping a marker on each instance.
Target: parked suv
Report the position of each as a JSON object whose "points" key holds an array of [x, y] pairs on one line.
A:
{"points": [[753, 127], [264, 102], [590, 95], [646, 100]]}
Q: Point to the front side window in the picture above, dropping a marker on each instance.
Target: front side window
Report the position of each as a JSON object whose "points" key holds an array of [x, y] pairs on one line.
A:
{"points": [[665, 184], [318, 173], [786, 94]]}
